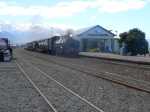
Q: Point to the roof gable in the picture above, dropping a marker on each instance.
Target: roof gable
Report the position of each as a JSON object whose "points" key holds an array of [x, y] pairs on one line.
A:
{"points": [[98, 30]]}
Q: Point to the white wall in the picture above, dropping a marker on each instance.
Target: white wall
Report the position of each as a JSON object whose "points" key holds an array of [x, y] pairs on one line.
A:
{"points": [[116, 46]]}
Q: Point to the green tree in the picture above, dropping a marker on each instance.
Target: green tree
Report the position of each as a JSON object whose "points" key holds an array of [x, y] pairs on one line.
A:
{"points": [[135, 41]]}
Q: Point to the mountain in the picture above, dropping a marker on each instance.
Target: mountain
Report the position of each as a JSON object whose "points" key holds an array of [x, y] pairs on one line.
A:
{"points": [[21, 36], [7, 34]]}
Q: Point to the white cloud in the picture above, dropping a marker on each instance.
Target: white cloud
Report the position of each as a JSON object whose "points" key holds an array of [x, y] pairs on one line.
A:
{"points": [[59, 10], [27, 25], [64, 9], [113, 6], [22, 26]]}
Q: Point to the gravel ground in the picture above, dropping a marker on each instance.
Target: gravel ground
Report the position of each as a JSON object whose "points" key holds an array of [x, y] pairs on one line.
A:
{"points": [[131, 70], [61, 99], [109, 96], [98, 72], [16, 92]]}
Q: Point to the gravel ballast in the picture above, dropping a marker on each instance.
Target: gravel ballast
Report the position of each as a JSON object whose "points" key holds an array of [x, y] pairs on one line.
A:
{"points": [[16, 92], [111, 97]]}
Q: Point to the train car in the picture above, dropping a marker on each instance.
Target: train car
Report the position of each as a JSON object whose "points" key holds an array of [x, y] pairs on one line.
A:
{"points": [[47, 45], [30, 46], [44, 45], [5, 50]]}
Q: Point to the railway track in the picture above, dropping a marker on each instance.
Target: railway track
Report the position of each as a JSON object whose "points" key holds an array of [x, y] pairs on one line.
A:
{"points": [[120, 63], [84, 85], [16, 92], [135, 71], [37, 89], [113, 77], [128, 64], [7, 69], [94, 108]]}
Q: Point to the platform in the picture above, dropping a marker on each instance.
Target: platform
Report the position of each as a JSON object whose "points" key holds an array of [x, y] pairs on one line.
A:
{"points": [[108, 56]]}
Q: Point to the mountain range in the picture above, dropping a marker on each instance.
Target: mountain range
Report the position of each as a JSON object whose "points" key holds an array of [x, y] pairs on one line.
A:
{"points": [[35, 32]]}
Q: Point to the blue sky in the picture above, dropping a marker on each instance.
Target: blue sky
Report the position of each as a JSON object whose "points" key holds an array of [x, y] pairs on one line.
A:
{"points": [[120, 15]]}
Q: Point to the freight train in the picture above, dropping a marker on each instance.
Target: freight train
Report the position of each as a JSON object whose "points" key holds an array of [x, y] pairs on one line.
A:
{"points": [[5, 50], [56, 45]]}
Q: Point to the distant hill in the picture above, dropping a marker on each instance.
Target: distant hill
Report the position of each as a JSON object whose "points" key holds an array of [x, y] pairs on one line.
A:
{"points": [[6, 34], [23, 36]]}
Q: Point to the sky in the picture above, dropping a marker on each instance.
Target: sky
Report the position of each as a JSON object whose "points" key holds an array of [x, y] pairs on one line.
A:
{"points": [[115, 15]]}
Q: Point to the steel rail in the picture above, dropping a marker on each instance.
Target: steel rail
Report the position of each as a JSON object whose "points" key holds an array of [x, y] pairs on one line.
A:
{"points": [[127, 64], [140, 85], [67, 89], [34, 85]]}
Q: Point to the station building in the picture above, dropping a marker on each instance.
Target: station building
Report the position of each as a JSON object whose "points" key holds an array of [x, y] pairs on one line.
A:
{"points": [[96, 38]]}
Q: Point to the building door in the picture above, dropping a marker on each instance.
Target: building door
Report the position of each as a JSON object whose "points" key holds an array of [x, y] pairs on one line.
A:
{"points": [[112, 45], [101, 45], [84, 45]]}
